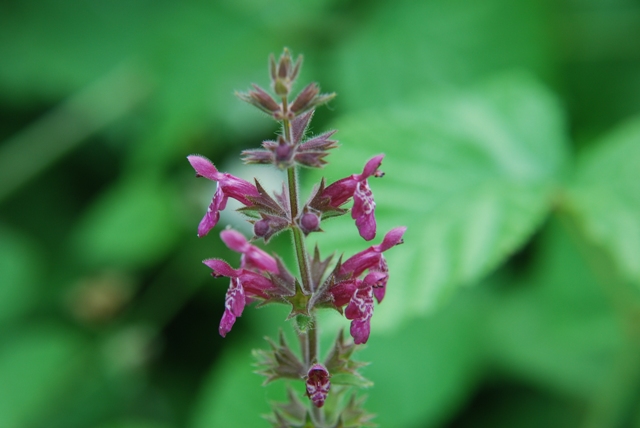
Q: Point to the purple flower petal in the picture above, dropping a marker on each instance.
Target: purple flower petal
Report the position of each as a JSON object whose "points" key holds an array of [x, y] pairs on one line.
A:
{"points": [[252, 256], [221, 268], [363, 211], [212, 216], [360, 330], [371, 167], [234, 240], [392, 238], [318, 384], [234, 304], [204, 167], [227, 321]]}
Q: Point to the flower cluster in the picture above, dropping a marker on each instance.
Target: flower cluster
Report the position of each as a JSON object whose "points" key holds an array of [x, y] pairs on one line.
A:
{"points": [[349, 286]]}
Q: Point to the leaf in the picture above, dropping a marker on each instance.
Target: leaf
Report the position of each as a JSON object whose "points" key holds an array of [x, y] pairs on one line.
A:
{"points": [[404, 47], [193, 55], [605, 195], [558, 327], [132, 224], [232, 394], [21, 265], [37, 366], [425, 370], [470, 174]]}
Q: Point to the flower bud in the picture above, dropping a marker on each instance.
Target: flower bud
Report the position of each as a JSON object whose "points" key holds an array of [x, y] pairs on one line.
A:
{"points": [[261, 228], [284, 73], [318, 384], [283, 153], [309, 222]]}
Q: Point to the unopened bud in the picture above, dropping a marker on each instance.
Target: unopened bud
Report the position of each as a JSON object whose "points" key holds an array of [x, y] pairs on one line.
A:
{"points": [[309, 222], [284, 154], [261, 228], [284, 73], [318, 384]]}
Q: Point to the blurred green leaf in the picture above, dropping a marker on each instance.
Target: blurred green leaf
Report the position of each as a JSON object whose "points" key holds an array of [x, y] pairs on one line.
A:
{"points": [[193, 54], [232, 395], [470, 174], [135, 423], [37, 364], [605, 195], [557, 329], [21, 270], [132, 224], [424, 371], [405, 47]]}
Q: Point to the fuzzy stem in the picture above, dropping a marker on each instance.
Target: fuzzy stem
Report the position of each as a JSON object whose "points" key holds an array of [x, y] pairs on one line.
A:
{"points": [[309, 338]]}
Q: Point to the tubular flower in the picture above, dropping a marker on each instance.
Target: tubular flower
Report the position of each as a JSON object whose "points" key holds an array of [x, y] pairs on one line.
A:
{"points": [[245, 285], [357, 293], [318, 384], [359, 311], [229, 186], [253, 258], [372, 259], [356, 186]]}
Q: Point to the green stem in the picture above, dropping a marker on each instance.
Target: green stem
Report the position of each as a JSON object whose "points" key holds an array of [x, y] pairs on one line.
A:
{"points": [[309, 338]]}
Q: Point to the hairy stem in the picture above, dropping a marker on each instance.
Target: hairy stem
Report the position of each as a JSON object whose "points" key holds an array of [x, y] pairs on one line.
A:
{"points": [[309, 338]]}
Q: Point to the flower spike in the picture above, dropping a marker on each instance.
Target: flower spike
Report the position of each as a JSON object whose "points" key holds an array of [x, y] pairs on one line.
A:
{"points": [[351, 286]]}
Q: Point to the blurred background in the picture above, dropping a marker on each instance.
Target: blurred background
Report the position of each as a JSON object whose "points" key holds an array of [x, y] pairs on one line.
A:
{"points": [[512, 142]]}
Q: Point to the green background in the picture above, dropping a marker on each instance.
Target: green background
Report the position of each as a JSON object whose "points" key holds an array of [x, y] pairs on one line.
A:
{"points": [[512, 138]]}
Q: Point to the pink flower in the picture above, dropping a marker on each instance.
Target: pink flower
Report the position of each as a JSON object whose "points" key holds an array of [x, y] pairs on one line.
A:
{"points": [[358, 293], [360, 311], [356, 186], [228, 187], [252, 257], [318, 384], [372, 259], [245, 284]]}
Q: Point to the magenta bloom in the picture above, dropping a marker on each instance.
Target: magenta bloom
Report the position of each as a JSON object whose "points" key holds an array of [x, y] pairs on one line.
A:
{"points": [[358, 293], [356, 186], [318, 384], [372, 259], [228, 187], [245, 285], [360, 311], [253, 258]]}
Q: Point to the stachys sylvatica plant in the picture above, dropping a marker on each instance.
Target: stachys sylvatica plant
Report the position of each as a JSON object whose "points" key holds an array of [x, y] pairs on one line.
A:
{"points": [[349, 285]]}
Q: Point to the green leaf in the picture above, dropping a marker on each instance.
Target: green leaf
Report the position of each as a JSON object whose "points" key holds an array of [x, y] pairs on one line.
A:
{"points": [[135, 423], [132, 224], [556, 328], [22, 271], [605, 195], [403, 47], [233, 395], [425, 370], [470, 174], [37, 366]]}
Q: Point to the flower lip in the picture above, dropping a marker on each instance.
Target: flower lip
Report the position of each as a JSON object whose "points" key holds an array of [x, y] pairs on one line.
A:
{"points": [[252, 256], [372, 256], [228, 187], [204, 167], [371, 167]]}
